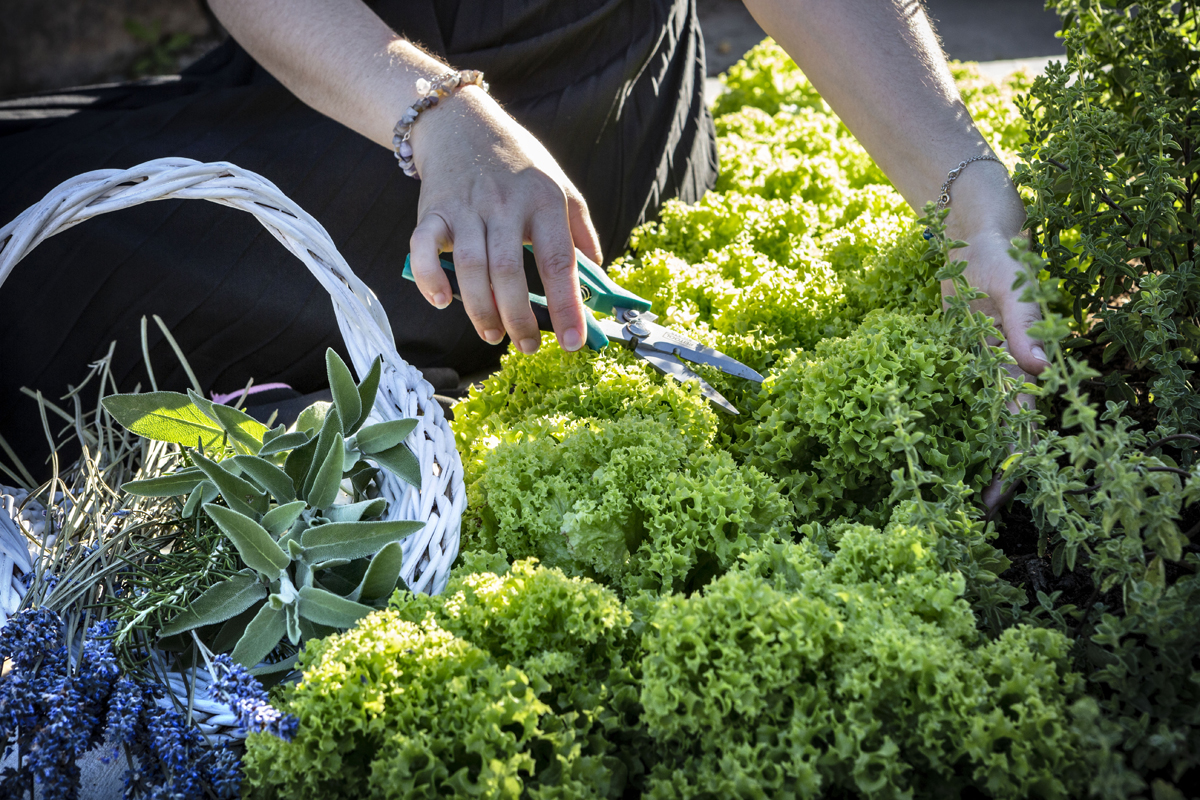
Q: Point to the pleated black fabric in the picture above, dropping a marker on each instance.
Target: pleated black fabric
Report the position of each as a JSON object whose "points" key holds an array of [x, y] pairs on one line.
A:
{"points": [[613, 88]]}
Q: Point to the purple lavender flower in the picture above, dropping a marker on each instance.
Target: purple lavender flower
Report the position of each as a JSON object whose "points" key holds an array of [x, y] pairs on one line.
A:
{"points": [[233, 685]]}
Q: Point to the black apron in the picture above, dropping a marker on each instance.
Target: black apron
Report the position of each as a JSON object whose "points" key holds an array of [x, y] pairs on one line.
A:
{"points": [[613, 88]]}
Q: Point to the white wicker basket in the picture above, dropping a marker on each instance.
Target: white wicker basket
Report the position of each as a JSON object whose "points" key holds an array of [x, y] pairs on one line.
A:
{"points": [[403, 393]]}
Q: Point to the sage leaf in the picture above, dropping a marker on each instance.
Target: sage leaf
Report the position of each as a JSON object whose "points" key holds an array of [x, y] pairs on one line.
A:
{"points": [[299, 461], [329, 477], [332, 427], [244, 430], [353, 512], [310, 630], [292, 614], [268, 476], [279, 519], [274, 433], [262, 635], [256, 547], [382, 575], [286, 665], [312, 419], [367, 391], [353, 540], [218, 603], [206, 492], [383, 435], [326, 608], [401, 462], [286, 441], [345, 391], [181, 482], [164, 417], [238, 493]]}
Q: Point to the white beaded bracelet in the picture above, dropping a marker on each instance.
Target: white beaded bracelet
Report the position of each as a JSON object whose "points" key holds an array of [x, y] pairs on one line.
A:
{"points": [[431, 93]]}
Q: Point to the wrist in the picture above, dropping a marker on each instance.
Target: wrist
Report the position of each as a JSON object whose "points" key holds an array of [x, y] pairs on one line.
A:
{"points": [[984, 201]]}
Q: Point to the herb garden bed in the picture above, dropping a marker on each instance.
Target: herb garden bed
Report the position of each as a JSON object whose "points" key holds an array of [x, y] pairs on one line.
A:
{"points": [[655, 599]]}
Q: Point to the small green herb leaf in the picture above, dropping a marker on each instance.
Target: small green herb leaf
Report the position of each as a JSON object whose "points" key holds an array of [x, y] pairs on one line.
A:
{"points": [[367, 391], [279, 519], [384, 435], [244, 430], [239, 494], [331, 427], [345, 391], [326, 608], [329, 477], [206, 492], [164, 417], [312, 419], [182, 482], [401, 462], [262, 635], [353, 539], [256, 547], [285, 441], [269, 476], [219, 603], [353, 512], [380, 579]]}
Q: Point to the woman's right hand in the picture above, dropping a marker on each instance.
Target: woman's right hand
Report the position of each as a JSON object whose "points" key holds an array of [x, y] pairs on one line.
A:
{"points": [[488, 187]]}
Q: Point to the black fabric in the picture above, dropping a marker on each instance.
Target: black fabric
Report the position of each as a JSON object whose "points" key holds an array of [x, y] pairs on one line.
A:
{"points": [[614, 88]]}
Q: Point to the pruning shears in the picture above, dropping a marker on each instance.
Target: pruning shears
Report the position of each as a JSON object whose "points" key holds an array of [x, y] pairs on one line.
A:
{"points": [[631, 325]]}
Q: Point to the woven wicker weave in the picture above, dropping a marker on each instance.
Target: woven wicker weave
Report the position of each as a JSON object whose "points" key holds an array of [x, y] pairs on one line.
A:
{"points": [[403, 393]]}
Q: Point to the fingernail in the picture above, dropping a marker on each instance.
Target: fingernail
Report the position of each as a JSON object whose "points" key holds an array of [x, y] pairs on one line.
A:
{"points": [[493, 336], [1039, 354], [571, 340], [529, 346], [440, 300]]}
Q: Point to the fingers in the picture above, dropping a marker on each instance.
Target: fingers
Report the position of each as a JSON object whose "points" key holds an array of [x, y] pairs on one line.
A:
{"points": [[474, 281], [554, 250], [1017, 317], [582, 229], [429, 240], [506, 267]]}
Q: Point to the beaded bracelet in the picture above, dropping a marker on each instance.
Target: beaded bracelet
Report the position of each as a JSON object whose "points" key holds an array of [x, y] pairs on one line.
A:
{"points": [[431, 93], [951, 176]]}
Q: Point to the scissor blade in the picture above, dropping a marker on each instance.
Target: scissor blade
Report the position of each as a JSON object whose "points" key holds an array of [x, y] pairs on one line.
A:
{"points": [[670, 365], [667, 341]]}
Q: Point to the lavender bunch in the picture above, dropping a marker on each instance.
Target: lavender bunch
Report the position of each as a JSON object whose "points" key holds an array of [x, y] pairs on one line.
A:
{"points": [[168, 757], [52, 706]]}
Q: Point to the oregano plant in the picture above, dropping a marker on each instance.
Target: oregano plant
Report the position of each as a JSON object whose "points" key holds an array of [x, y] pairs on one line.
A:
{"points": [[1113, 170]]}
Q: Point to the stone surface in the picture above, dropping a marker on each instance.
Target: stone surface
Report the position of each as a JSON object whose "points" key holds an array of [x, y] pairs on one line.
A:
{"points": [[970, 30], [47, 45]]}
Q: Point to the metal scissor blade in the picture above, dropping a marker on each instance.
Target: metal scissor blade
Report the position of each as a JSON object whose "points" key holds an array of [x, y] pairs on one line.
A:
{"points": [[670, 365], [665, 341]]}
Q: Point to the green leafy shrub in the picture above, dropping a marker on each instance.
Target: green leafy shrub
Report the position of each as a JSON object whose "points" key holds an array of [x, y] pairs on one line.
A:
{"points": [[820, 427], [506, 686], [626, 502], [1112, 168], [850, 664]]}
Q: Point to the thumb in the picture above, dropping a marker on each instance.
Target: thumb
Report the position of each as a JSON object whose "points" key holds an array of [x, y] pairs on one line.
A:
{"points": [[1018, 318]]}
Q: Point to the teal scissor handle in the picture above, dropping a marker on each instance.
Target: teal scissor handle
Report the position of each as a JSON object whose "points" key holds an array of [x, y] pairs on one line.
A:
{"points": [[596, 338], [599, 292]]}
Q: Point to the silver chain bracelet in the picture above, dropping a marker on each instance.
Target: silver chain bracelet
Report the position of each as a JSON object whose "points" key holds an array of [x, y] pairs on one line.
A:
{"points": [[951, 176]]}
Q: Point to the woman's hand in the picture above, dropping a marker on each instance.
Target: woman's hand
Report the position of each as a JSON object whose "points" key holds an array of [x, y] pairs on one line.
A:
{"points": [[488, 187], [993, 271]]}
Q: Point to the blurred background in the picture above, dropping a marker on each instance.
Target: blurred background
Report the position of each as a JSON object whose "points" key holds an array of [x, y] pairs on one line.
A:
{"points": [[76, 42]]}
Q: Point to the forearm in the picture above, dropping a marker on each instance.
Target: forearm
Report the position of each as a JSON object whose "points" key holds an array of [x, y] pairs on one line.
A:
{"points": [[335, 55], [878, 65]]}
